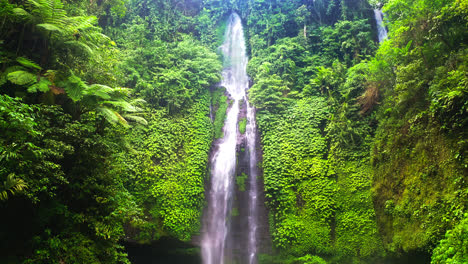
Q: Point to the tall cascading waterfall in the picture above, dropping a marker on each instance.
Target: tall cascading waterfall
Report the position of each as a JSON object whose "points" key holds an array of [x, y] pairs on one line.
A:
{"points": [[216, 221], [382, 31]]}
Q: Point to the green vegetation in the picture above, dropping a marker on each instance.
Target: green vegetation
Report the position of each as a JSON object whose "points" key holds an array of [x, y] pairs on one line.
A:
{"points": [[242, 125], [220, 104], [106, 131], [240, 181], [104, 113], [363, 154]]}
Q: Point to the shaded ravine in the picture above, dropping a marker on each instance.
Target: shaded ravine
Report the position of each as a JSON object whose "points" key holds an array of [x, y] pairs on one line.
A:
{"points": [[219, 243]]}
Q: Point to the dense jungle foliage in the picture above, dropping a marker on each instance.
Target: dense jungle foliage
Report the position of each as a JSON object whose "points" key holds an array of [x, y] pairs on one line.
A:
{"points": [[105, 126]]}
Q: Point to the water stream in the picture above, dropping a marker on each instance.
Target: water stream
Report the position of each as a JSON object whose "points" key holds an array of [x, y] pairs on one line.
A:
{"points": [[216, 221], [254, 190], [382, 31]]}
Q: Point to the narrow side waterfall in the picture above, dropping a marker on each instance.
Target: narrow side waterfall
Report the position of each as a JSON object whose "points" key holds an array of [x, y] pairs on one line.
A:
{"points": [[217, 242], [382, 31], [254, 191]]}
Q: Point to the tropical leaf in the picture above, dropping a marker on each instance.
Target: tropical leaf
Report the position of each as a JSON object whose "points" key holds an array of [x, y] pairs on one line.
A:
{"points": [[28, 63], [138, 101], [99, 90], [80, 45], [11, 185], [137, 119], [22, 77], [75, 87], [125, 106], [49, 27], [108, 114], [21, 13], [42, 86]]}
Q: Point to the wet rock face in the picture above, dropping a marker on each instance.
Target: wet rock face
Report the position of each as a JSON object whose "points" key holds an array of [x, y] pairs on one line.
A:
{"points": [[242, 192]]}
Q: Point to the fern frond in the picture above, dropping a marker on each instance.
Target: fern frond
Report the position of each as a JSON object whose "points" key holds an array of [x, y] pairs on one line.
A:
{"points": [[42, 86], [125, 106], [99, 90], [12, 185], [138, 101], [108, 114], [137, 119], [28, 63], [49, 27], [80, 45], [22, 77], [121, 119], [21, 13], [75, 87]]}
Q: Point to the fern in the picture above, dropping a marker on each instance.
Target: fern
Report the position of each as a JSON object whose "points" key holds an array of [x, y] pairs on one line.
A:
{"points": [[42, 86], [21, 13], [28, 63], [81, 46], [137, 119], [125, 106], [13, 186], [108, 114], [74, 87], [99, 90], [22, 77], [49, 27]]}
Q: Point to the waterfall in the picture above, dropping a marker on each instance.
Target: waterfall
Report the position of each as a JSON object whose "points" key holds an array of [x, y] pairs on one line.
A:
{"points": [[216, 220], [254, 189], [380, 26]]}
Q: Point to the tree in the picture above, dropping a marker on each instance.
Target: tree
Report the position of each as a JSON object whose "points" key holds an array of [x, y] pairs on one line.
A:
{"points": [[269, 90]]}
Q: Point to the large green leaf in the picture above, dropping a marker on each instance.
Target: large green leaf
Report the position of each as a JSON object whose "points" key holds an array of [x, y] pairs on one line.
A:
{"points": [[108, 114], [28, 63], [137, 119], [75, 87], [80, 45], [21, 13], [41, 86], [22, 77], [49, 27], [99, 90], [125, 106]]}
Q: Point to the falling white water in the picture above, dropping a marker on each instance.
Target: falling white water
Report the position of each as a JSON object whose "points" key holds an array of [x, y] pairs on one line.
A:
{"points": [[216, 225], [254, 189], [380, 26]]}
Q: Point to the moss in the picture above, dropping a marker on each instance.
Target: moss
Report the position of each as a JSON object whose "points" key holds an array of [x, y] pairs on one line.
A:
{"points": [[219, 102], [242, 125], [416, 179], [240, 181], [234, 212]]}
